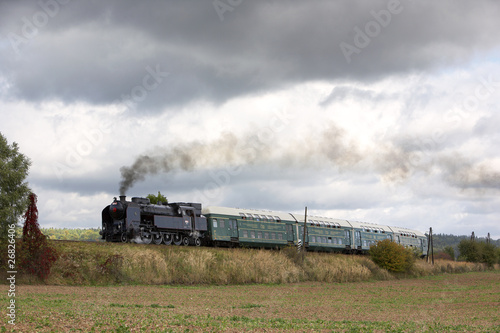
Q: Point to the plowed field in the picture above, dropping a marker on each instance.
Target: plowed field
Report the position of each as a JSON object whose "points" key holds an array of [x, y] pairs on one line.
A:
{"points": [[446, 303]]}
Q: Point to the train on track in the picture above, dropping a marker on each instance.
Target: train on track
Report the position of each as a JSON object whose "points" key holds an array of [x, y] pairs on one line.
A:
{"points": [[183, 223]]}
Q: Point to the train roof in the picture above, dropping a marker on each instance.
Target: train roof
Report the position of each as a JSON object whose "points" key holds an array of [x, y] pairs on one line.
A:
{"points": [[402, 231], [321, 220], [369, 226], [310, 219], [239, 211]]}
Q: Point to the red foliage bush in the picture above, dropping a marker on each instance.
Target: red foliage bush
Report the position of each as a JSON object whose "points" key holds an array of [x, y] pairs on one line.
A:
{"points": [[37, 256]]}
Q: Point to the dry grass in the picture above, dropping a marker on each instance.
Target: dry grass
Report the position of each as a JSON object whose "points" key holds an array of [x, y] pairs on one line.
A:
{"points": [[104, 264]]}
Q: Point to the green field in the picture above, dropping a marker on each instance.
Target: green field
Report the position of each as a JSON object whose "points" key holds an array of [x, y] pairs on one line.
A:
{"points": [[467, 302]]}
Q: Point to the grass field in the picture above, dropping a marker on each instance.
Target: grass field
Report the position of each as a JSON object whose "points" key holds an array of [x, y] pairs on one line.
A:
{"points": [[467, 302], [96, 263]]}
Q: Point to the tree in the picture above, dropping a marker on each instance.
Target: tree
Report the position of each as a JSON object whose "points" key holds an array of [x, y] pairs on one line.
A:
{"points": [[157, 198], [450, 251], [474, 251], [14, 189], [392, 256], [37, 256]]}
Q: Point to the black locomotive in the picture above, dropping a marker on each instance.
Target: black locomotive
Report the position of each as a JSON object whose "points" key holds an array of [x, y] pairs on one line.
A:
{"points": [[141, 221]]}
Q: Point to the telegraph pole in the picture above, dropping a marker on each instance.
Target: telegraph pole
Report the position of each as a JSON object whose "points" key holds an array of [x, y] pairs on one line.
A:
{"points": [[304, 236], [430, 246]]}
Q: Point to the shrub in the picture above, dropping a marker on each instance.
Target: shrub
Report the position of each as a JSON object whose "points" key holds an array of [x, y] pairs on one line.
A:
{"points": [[443, 255], [392, 256], [36, 256], [473, 251]]}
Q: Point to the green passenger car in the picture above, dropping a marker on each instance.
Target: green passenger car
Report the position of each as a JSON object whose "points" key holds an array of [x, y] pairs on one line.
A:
{"points": [[249, 227], [271, 229]]}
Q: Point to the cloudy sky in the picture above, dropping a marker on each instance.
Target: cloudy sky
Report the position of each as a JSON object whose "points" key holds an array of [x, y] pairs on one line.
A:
{"points": [[380, 111]]}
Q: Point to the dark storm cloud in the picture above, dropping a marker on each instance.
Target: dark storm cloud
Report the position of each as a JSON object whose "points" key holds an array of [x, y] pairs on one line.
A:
{"points": [[100, 52]]}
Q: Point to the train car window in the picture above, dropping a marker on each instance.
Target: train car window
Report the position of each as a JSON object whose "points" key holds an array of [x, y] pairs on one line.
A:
{"points": [[222, 224], [243, 216], [245, 233], [256, 217], [330, 240], [252, 234], [340, 241], [259, 234], [280, 236], [313, 239], [214, 223], [266, 235]]}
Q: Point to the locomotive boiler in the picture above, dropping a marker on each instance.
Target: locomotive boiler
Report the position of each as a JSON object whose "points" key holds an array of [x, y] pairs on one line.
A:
{"points": [[140, 221]]}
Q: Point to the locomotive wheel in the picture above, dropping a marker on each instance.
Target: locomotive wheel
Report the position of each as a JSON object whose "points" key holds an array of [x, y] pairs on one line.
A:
{"points": [[197, 242], [157, 239], [185, 241], [123, 237], [167, 239], [177, 239], [146, 238]]}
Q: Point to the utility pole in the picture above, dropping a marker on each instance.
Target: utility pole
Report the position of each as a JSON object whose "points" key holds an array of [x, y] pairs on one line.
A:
{"points": [[430, 246], [304, 236]]}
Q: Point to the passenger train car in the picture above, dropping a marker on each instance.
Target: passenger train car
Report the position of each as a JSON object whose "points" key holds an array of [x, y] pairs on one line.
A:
{"points": [[269, 229], [189, 224]]}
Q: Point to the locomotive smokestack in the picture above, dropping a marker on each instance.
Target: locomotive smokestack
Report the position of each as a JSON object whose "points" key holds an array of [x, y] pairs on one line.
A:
{"points": [[122, 198]]}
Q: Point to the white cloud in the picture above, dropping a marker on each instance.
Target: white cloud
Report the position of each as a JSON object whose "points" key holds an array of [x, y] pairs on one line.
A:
{"points": [[399, 136]]}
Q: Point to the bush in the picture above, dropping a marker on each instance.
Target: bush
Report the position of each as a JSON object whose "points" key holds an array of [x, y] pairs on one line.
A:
{"points": [[392, 256], [473, 251]]}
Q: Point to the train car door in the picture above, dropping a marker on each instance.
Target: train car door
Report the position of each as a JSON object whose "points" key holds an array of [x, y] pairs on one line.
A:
{"points": [[289, 233], [233, 229], [357, 239], [348, 237]]}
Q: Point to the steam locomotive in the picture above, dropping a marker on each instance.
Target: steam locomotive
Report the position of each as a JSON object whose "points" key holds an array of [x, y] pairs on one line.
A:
{"points": [[141, 221], [183, 223]]}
